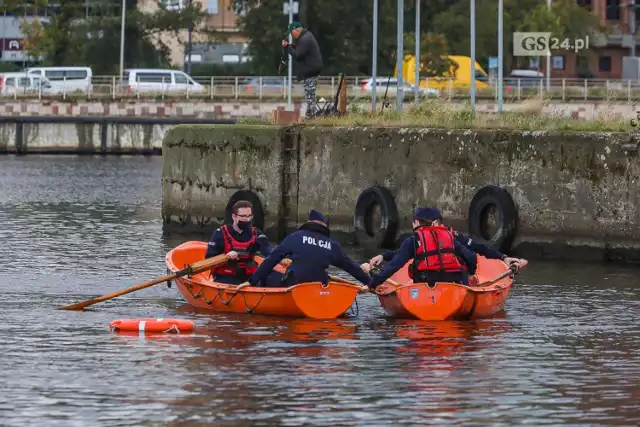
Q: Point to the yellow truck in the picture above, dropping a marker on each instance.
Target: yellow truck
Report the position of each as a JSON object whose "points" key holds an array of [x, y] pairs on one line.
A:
{"points": [[460, 78]]}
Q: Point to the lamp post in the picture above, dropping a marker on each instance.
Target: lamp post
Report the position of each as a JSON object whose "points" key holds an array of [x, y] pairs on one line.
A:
{"points": [[374, 60], [472, 87], [500, 60], [124, 10], [400, 55], [417, 55], [189, 44]]}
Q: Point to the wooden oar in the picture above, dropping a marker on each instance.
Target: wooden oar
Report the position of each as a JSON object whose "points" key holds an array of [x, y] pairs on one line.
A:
{"points": [[512, 270], [196, 267]]}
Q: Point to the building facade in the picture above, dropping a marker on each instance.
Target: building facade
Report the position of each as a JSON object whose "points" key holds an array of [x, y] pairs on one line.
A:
{"points": [[603, 59], [220, 17]]}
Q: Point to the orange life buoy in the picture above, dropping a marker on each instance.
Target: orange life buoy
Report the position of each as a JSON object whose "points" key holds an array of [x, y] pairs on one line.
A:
{"points": [[152, 325]]}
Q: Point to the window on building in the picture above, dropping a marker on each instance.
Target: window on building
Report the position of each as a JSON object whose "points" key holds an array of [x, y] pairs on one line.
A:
{"points": [[604, 64], [613, 10], [585, 3], [557, 62], [212, 7], [173, 4]]}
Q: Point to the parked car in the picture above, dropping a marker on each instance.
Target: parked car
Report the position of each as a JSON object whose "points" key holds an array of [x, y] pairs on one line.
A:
{"points": [[158, 80], [68, 79], [528, 79], [367, 87], [22, 83], [270, 85]]}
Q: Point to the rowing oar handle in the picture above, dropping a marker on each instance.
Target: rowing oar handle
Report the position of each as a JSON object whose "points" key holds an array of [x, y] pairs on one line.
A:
{"points": [[511, 271]]}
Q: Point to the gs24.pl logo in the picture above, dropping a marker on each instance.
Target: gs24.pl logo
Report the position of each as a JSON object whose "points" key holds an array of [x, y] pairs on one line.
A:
{"points": [[542, 43]]}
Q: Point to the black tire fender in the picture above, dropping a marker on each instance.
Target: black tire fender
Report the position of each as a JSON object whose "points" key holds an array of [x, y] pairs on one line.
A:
{"points": [[249, 196], [486, 198], [386, 234]]}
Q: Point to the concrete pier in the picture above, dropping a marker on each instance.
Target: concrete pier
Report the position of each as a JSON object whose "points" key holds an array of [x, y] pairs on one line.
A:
{"points": [[537, 194]]}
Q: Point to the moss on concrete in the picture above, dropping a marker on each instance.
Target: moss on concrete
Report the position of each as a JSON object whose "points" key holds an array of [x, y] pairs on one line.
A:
{"points": [[571, 188]]}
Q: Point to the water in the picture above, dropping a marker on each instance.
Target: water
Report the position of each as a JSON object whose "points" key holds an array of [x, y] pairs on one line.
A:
{"points": [[565, 352]]}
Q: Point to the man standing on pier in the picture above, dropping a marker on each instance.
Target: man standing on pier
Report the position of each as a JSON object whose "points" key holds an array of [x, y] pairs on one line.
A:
{"points": [[308, 62]]}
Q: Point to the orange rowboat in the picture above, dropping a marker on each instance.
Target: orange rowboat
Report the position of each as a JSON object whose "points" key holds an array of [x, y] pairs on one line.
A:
{"points": [[448, 301], [312, 300]]}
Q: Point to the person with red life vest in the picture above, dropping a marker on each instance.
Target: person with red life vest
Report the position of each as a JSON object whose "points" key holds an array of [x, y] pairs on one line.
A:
{"points": [[239, 241], [435, 216], [435, 251]]}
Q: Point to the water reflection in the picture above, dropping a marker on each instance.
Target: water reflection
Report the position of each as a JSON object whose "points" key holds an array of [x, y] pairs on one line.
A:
{"points": [[565, 351]]}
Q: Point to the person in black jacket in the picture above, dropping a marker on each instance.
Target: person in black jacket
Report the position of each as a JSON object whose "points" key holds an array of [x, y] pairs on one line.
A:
{"points": [[308, 62], [311, 251]]}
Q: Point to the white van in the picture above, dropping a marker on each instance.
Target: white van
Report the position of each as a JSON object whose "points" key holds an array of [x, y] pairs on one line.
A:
{"points": [[21, 83], [157, 80], [65, 79]]}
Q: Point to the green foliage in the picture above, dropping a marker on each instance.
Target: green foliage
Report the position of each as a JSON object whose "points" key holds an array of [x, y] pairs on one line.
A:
{"points": [[344, 30], [72, 38], [433, 54]]}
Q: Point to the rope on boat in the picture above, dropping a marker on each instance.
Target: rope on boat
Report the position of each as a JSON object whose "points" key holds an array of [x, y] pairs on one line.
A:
{"points": [[250, 310], [355, 312], [219, 293]]}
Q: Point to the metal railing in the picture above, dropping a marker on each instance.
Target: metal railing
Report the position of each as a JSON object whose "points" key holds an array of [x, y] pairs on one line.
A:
{"points": [[274, 88]]}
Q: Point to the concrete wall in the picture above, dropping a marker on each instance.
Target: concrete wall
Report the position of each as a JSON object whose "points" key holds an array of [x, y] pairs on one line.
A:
{"points": [[576, 194], [81, 137], [232, 110]]}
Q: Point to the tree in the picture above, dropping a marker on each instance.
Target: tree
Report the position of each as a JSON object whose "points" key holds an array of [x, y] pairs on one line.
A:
{"points": [[433, 54], [343, 30], [70, 37]]}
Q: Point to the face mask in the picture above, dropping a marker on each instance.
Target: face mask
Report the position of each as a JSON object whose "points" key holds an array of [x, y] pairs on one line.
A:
{"points": [[245, 226]]}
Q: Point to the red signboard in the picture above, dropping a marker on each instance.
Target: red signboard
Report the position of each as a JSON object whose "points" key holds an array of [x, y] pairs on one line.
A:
{"points": [[12, 45]]}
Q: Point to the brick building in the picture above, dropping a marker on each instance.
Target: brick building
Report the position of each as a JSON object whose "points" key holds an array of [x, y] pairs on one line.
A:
{"points": [[603, 60]]}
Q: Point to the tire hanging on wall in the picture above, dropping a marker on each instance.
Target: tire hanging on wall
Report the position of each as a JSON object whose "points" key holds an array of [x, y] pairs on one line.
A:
{"points": [[507, 217], [386, 234], [249, 196]]}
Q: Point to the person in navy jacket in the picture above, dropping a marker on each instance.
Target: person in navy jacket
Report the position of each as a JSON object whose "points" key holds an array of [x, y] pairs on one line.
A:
{"points": [[435, 216], [435, 251], [311, 251]]}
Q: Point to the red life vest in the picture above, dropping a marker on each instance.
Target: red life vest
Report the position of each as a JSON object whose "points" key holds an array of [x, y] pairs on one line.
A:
{"points": [[436, 251], [454, 233], [245, 264]]}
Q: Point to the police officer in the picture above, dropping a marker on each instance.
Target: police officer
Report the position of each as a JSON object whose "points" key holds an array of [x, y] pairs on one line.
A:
{"points": [[435, 216], [435, 253], [239, 242], [311, 251]]}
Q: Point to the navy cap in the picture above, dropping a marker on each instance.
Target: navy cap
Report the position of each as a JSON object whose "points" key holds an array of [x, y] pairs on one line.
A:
{"points": [[428, 214], [314, 215]]}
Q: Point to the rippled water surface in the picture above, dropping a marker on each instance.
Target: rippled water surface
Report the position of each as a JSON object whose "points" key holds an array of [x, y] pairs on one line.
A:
{"points": [[565, 352]]}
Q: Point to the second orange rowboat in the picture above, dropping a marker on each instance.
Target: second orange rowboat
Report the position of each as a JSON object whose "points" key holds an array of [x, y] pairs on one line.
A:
{"points": [[448, 301], [312, 300]]}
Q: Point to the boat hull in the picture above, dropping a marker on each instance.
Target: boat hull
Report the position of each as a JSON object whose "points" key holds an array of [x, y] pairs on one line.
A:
{"points": [[310, 300], [447, 301]]}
